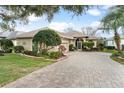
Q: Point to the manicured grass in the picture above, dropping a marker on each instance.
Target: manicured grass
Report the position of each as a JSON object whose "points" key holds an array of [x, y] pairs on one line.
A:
{"points": [[121, 61], [14, 66], [109, 51]]}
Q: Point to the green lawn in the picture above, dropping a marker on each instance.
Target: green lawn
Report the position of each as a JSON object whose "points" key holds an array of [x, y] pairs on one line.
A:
{"points": [[14, 66], [109, 51], [121, 61]]}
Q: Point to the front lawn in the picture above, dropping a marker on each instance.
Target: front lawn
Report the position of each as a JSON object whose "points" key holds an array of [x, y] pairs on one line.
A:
{"points": [[109, 50], [121, 61], [14, 66]]}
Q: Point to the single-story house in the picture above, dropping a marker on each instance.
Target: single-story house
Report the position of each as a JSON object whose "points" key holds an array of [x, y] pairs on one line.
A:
{"points": [[111, 42], [71, 37]]}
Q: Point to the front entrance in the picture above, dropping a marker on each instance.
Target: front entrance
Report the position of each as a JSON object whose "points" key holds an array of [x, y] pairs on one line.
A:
{"points": [[78, 43]]}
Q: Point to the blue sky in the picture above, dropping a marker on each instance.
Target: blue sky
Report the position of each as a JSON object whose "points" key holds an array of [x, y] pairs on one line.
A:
{"points": [[63, 20]]}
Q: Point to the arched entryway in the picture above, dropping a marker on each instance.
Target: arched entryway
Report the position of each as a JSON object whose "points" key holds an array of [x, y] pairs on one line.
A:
{"points": [[78, 43]]}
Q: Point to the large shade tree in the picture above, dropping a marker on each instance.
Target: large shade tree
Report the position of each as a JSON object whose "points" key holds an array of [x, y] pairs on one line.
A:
{"points": [[11, 14], [45, 38], [6, 44], [113, 21]]}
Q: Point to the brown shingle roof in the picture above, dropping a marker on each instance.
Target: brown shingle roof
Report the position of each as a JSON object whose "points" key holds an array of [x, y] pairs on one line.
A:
{"points": [[74, 34], [32, 33], [29, 34], [68, 35]]}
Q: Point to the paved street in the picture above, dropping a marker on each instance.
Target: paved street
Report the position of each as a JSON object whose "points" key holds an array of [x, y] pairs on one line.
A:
{"points": [[79, 70]]}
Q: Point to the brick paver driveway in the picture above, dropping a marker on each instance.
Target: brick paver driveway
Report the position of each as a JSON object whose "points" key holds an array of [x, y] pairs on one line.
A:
{"points": [[80, 69]]}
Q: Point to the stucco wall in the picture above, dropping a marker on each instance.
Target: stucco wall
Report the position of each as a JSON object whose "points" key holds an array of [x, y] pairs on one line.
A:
{"points": [[26, 43], [112, 43], [65, 43], [95, 43], [14, 42]]}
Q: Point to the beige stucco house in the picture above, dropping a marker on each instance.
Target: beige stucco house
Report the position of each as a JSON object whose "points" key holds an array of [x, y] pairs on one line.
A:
{"points": [[71, 37]]}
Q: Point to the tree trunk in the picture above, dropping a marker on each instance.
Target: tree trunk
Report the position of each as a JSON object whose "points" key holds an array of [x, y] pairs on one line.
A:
{"points": [[117, 40]]}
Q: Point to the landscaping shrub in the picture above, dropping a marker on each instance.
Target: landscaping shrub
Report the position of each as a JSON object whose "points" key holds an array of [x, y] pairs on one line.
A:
{"points": [[100, 46], [122, 47], [18, 49], [44, 52], [71, 47], [62, 48], [1, 54], [118, 54], [31, 53], [55, 55], [6, 45], [88, 44], [1, 51], [110, 47]]}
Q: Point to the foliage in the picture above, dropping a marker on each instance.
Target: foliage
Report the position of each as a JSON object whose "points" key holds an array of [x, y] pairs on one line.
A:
{"points": [[1, 54], [44, 52], [88, 44], [62, 48], [45, 38], [109, 50], [15, 66], [118, 54], [121, 61], [113, 21], [18, 49], [31, 53], [122, 47], [100, 46], [6, 45], [11, 14], [110, 47], [35, 48], [55, 55], [71, 47]]}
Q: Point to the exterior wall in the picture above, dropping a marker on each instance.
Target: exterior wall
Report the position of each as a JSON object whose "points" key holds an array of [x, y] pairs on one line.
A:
{"points": [[65, 43], [122, 43], [110, 43], [14, 42], [95, 43], [26, 43]]}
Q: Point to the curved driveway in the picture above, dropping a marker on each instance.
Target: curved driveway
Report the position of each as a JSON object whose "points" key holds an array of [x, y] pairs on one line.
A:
{"points": [[80, 69]]}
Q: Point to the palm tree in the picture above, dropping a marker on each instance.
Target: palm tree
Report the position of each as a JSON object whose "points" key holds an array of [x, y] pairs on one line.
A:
{"points": [[113, 21]]}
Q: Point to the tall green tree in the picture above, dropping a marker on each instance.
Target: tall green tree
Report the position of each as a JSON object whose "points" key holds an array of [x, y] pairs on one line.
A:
{"points": [[11, 14], [113, 21], [45, 38]]}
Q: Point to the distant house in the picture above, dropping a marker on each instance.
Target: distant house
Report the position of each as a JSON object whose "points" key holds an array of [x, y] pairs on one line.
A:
{"points": [[111, 42], [72, 37]]}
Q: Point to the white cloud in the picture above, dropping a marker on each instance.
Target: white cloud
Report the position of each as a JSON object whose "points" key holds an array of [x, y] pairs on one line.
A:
{"points": [[95, 24], [60, 26], [94, 12], [34, 18]]}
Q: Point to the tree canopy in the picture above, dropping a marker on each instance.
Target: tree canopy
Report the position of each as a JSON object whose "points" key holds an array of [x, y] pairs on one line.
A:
{"points": [[6, 44], [113, 21], [11, 14], [48, 37]]}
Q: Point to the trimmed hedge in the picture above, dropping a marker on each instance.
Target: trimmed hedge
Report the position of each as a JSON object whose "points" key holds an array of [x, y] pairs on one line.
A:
{"points": [[110, 47], [71, 47], [18, 49]]}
